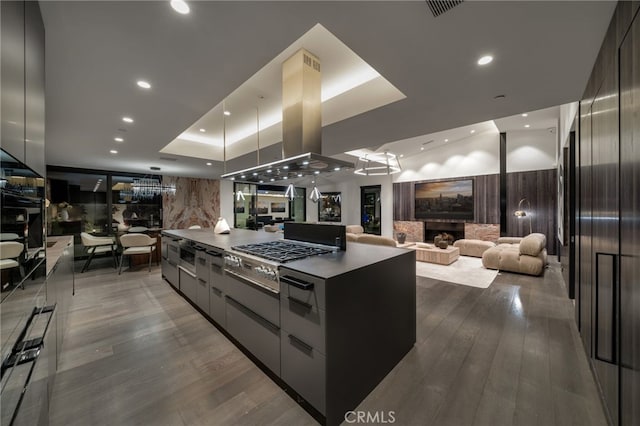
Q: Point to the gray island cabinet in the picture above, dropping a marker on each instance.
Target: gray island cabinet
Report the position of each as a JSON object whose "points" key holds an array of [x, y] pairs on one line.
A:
{"points": [[337, 327]]}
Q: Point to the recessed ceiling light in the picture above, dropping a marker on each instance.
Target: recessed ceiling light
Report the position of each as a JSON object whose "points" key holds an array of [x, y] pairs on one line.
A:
{"points": [[401, 155], [473, 131], [243, 176], [525, 115], [118, 139], [446, 140], [299, 174], [285, 167], [227, 113], [143, 84], [209, 164], [285, 178], [336, 169], [202, 130], [127, 119], [304, 163], [233, 178], [317, 172], [261, 181], [180, 6], [272, 179], [269, 171], [485, 60], [422, 148], [113, 151], [527, 126]]}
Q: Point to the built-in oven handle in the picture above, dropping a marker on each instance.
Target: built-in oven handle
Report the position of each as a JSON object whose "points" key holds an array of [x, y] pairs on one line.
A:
{"points": [[199, 248], [296, 282], [191, 274], [214, 253]]}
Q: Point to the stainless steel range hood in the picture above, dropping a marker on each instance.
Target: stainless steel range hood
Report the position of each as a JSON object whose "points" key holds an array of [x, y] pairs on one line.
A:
{"points": [[301, 127]]}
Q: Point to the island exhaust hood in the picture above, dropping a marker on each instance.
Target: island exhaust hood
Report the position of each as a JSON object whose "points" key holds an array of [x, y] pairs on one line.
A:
{"points": [[301, 127]]}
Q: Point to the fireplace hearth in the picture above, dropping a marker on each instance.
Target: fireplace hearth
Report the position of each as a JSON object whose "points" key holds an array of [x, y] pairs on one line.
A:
{"points": [[431, 229]]}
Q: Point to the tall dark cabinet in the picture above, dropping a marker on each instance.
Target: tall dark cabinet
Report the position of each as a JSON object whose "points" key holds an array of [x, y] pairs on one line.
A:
{"points": [[607, 235], [630, 226]]}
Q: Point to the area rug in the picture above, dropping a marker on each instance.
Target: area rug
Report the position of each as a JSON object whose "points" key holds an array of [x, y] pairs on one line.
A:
{"points": [[466, 271]]}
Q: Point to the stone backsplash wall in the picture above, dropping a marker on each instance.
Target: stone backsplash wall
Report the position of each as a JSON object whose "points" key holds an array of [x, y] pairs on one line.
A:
{"points": [[413, 229], [482, 231], [474, 231], [196, 202]]}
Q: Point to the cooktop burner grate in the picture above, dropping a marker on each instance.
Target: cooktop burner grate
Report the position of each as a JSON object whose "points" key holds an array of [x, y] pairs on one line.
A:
{"points": [[281, 251]]}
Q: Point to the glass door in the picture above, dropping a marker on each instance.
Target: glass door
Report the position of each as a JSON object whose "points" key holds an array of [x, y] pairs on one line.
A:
{"points": [[370, 210]]}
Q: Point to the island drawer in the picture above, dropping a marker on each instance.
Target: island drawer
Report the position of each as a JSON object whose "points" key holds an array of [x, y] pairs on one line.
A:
{"points": [[217, 306], [304, 321], [188, 284], [261, 301], [302, 287], [202, 294], [303, 368], [202, 264], [255, 333], [170, 272]]}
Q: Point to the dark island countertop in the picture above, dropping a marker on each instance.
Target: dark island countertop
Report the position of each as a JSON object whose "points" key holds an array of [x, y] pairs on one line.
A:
{"points": [[330, 265]]}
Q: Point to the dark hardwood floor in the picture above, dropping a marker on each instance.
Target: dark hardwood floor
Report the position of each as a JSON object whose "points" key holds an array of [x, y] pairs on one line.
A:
{"points": [[137, 353]]}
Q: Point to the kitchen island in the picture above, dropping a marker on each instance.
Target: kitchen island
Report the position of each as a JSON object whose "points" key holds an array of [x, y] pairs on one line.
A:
{"points": [[328, 328]]}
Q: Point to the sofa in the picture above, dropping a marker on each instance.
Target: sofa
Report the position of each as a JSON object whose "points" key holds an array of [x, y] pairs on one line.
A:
{"points": [[355, 234], [474, 248], [526, 255]]}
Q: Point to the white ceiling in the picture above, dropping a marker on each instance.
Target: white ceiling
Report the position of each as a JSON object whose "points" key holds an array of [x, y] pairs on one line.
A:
{"points": [[544, 52]]}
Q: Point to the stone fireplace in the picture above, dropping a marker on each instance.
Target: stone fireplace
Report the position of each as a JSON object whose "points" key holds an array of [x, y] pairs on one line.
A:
{"points": [[431, 229]]}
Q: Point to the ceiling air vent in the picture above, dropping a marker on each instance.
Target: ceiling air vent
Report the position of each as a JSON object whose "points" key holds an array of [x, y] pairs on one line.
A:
{"points": [[438, 7], [168, 159]]}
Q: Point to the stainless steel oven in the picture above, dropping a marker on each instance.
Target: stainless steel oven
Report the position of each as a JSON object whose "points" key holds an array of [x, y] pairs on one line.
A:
{"points": [[188, 255]]}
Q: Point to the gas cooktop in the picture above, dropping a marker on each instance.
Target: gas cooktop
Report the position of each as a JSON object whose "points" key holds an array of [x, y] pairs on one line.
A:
{"points": [[281, 251]]}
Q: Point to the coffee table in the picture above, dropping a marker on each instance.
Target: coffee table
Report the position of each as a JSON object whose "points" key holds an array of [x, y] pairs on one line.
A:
{"points": [[437, 255], [405, 245]]}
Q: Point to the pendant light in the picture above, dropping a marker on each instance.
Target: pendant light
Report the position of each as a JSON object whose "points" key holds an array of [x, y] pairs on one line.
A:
{"points": [[290, 192], [239, 195], [378, 164], [315, 195]]}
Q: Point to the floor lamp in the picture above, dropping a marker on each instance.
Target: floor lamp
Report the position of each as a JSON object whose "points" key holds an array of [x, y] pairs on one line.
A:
{"points": [[521, 213]]}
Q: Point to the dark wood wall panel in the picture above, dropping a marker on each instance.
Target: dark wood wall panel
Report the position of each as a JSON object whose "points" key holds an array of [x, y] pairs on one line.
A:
{"points": [[539, 187], [403, 200], [487, 199], [486, 207]]}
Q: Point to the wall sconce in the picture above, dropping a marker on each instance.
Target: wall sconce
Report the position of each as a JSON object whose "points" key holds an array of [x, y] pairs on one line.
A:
{"points": [[521, 213]]}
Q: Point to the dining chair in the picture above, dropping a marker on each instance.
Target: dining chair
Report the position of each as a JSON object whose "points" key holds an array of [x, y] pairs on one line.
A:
{"points": [[96, 245], [10, 251], [135, 243]]}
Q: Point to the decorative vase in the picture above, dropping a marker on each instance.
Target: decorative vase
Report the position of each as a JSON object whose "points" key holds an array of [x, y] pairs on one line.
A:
{"points": [[443, 244], [64, 215], [401, 237], [437, 239]]}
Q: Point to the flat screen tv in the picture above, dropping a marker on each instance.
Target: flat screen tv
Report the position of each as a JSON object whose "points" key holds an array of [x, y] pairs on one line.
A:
{"points": [[450, 199]]}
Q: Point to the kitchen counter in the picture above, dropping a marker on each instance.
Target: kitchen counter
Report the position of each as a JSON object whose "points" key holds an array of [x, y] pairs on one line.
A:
{"points": [[324, 266], [336, 326], [223, 241]]}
